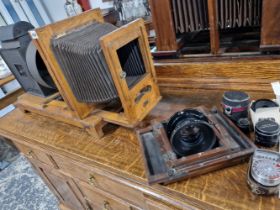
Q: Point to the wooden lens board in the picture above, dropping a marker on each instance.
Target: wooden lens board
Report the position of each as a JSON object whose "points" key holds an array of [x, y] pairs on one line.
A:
{"points": [[163, 166]]}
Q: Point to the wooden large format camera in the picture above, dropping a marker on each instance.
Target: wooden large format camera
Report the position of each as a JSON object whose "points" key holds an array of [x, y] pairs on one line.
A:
{"points": [[131, 103]]}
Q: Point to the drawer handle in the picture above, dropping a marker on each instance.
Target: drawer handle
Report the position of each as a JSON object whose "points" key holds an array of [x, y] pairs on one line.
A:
{"points": [[106, 206], [30, 154], [92, 180]]}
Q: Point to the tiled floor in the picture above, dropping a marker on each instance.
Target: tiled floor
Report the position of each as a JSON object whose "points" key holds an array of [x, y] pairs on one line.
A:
{"points": [[8, 153], [22, 189]]}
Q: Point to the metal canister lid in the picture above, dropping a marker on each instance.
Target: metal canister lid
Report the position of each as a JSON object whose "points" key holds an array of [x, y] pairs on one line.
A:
{"points": [[236, 97], [267, 127]]}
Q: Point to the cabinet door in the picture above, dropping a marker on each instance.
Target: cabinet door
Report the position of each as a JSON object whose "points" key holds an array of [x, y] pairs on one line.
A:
{"points": [[37, 155], [63, 187], [104, 181]]}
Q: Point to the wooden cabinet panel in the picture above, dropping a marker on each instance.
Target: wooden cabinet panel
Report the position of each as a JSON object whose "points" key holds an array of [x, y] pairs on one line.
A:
{"points": [[115, 186], [36, 154], [163, 23], [270, 30], [117, 156], [95, 189], [62, 186], [99, 199]]}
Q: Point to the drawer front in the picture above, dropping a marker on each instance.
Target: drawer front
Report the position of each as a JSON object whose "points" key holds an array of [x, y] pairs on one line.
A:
{"points": [[153, 203], [99, 180], [36, 154], [102, 200]]}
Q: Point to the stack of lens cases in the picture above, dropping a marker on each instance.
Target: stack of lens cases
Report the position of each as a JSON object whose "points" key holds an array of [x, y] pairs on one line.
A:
{"points": [[264, 114]]}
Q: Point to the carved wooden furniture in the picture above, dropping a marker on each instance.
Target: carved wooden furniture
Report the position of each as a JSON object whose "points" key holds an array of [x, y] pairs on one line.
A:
{"points": [[136, 102], [85, 172], [225, 24], [108, 173], [192, 73]]}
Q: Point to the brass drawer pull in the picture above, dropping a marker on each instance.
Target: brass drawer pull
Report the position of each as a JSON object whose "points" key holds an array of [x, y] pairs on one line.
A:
{"points": [[30, 154], [92, 180], [106, 206]]}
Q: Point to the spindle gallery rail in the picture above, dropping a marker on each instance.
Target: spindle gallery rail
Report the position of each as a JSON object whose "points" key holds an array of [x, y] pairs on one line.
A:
{"points": [[216, 27]]}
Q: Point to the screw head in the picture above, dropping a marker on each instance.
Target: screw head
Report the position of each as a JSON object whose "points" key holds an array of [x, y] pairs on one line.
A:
{"points": [[123, 74]]}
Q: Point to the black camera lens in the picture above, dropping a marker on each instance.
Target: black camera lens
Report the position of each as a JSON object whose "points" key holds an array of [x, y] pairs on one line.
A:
{"points": [[186, 114], [244, 125], [190, 132]]}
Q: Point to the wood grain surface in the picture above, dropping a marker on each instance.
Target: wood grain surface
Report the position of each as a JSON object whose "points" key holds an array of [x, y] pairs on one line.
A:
{"points": [[10, 98], [253, 75], [213, 25], [270, 31], [6, 80], [163, 24], [118, 152]]}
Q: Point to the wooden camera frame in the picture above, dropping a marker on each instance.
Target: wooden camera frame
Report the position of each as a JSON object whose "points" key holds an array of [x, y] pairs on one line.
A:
{"points": [[163, 166], [136, 102]]}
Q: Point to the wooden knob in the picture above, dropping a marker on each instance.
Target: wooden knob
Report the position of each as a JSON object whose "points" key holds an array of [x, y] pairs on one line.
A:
{"points": [[92, 180], [106, 206], [30, 154]]}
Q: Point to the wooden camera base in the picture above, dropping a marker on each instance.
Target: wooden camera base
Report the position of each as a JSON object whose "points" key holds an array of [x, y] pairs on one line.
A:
{"points": [[58, 110]]}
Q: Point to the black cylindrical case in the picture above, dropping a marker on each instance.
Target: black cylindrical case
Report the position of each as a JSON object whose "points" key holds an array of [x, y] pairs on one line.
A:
{"points": [[235, 104], [267, 132]]}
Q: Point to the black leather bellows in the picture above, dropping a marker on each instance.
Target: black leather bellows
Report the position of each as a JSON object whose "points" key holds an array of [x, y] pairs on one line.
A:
{"points": [[83, 63]]}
